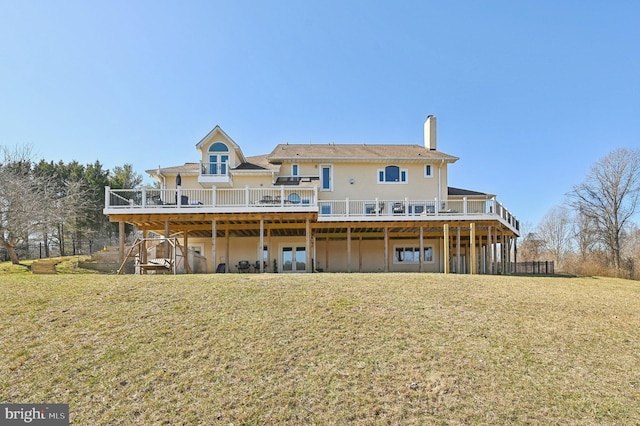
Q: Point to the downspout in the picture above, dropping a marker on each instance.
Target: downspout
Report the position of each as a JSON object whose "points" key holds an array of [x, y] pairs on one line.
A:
{"points": [[164, 179]]}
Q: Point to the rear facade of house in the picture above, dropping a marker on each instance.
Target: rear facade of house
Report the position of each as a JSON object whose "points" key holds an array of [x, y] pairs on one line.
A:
{"points": [[321, 208]]}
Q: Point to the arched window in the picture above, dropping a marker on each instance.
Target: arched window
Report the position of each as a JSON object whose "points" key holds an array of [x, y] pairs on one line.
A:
{"points": [[218, 147], [392, 174], [217, 160]]}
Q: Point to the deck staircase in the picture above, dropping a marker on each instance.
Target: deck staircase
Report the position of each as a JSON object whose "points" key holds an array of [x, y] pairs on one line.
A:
{"points": [[44, 266]]}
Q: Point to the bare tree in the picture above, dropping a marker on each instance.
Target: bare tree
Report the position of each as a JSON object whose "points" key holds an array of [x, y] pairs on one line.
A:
{"points": [[23, 200], [608, 198], [555, 232]]}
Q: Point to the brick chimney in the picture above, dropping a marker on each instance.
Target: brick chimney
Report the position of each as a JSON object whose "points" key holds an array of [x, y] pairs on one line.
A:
{"points": [[430, 133]]}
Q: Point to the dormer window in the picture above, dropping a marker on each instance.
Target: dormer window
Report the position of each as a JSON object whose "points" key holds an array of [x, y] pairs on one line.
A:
{"points": [[392, 174], [218, 158]]}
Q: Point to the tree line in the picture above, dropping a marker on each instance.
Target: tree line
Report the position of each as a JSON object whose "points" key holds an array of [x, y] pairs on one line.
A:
{"points": [[593, 232], [55, 203]]}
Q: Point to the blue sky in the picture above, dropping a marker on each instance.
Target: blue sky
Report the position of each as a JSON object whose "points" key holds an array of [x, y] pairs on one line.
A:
{"points": [[529, 94]]}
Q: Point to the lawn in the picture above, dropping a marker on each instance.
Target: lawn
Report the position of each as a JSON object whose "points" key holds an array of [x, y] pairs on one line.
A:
{"points": [[323, 348]]}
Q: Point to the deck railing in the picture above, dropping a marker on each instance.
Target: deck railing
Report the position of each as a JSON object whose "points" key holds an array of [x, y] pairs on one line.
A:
{"points": [[301, 199]]}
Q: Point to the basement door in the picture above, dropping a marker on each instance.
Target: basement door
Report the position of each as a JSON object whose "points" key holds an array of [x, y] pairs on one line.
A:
{"points": [[293, 259]]}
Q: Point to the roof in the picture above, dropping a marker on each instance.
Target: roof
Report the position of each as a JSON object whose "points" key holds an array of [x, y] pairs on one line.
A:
{"points": [[353, 152], [466, 193], [258, 162]]}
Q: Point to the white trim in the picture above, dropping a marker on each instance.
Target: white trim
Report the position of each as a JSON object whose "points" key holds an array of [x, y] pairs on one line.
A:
{"points": [[400, 172], [430, 166], [322, 188], [415, 249]]}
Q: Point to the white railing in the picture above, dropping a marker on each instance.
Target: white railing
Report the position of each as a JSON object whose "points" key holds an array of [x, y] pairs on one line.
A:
{"points": [[216, 197], [220, 168], [284, 197]]}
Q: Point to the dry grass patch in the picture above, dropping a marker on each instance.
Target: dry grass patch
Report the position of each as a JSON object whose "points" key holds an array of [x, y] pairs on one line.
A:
{"points": [[323, 348]]}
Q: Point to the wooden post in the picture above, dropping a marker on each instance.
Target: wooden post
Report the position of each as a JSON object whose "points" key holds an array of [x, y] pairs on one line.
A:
{"points": [[214, 234], [472, 249], [360, 254], [185, 252], [348, 249], [121, 240], [307, 244], [446, 248], [386, 249], [261, 250], [458, 260], [226, 250], [421, 269]]}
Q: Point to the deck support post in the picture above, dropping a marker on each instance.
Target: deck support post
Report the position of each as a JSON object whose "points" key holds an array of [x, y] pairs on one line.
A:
{"points": [[349, 249], [458, 260], [472, 249], [445, 247], [386, 249], [214, 234], [121, 240], [421, 258], [307, 244], [261, 249]]}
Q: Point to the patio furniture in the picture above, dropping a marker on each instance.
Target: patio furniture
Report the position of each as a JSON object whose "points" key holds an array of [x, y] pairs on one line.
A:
{"points": [[370, 208], [398, 208], [243, 266]]}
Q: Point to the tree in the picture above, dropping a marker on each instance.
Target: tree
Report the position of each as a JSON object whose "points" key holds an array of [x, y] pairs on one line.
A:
{"points": [[23, 199], [608, 198], [555, 232], [124, 178]]}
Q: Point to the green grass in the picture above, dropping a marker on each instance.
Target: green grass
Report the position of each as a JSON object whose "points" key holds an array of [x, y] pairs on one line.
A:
{"points": [[323, 348]]}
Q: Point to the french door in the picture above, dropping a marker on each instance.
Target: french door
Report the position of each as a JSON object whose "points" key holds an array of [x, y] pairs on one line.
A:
{"points": [[293, 259]]}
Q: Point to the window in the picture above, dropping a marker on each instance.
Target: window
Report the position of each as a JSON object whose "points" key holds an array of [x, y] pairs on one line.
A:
{"points": [[428, 172], [218, 162], [294, 170], [325, 176], [392, 174], [412, 255]]}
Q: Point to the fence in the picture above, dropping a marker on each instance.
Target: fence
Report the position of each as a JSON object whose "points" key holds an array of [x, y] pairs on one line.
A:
{"points": [[536, 268], [38, 250]]}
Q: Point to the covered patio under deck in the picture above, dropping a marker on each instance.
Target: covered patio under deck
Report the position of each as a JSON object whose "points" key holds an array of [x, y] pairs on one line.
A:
{"points": [[484, 246]]}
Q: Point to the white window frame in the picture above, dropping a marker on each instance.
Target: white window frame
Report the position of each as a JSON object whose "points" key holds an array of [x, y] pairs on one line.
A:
{"points": [[322, 167], [401, 173], [412, 249], [428, 167], [295, 170]]}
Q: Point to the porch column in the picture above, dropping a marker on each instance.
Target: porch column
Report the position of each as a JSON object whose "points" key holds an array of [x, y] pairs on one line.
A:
{"points": [[472, 249], [226, 250], [307, 244], [121, 240], [269, 251], [185, 252], [360, 254], [458, 262], [326, 254], [167, 246], [143, 252], [348, 249], [421, 249], [213, 246], [386, 249], [261, 250], [445, 247]]}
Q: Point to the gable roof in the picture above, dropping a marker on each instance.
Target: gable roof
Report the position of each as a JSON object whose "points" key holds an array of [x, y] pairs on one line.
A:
{"points": [[355, 152], [218, 131]]}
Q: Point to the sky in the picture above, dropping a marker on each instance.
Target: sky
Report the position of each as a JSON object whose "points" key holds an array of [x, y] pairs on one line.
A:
{"points": [[528, 94]]}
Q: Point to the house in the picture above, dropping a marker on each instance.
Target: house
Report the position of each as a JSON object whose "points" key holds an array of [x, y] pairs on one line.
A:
{"points": [[322, 207]]}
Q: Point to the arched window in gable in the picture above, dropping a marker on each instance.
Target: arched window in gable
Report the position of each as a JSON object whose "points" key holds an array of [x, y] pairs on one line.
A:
{"points": [[218, 161]]}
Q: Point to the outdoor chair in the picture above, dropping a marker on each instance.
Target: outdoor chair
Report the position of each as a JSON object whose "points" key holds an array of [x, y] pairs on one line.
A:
{"points": [[398, 208], [243, 266]]}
